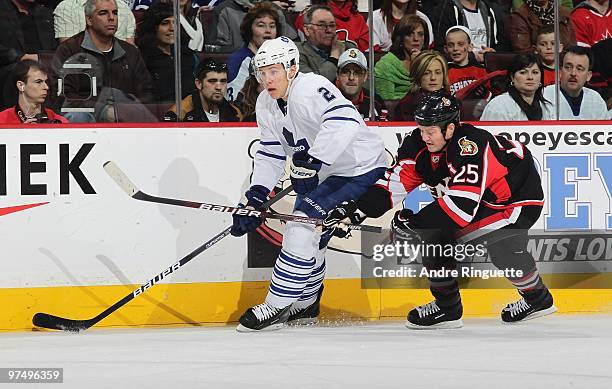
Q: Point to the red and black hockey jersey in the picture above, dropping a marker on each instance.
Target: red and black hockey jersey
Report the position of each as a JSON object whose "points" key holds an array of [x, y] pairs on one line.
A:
{"points": [[487, 170], [461, 76], [482, 170], [415, 166]]}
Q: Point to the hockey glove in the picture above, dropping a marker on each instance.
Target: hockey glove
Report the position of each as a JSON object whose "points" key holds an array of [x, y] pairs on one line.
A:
{"points": [[344, 210], [304, 171], [255, 198], [403, 228]]}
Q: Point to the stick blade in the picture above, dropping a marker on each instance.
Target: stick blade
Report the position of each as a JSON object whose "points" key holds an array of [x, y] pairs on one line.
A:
{"points": [[52, 322], [120, 178]]}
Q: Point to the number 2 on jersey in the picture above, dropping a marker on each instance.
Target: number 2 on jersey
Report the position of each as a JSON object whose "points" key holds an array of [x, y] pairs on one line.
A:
{"points": [[327, 95]]}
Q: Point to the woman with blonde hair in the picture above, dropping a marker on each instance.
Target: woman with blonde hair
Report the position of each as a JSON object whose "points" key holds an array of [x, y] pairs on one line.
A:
{"points": [[429, 73]]}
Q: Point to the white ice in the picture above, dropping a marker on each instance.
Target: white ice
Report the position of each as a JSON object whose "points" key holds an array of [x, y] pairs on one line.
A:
{"points": [[559, 351]]}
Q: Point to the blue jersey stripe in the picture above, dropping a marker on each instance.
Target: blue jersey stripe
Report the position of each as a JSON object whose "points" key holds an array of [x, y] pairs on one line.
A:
{"points": [[338, 107], [342, 118], [275, 156]]}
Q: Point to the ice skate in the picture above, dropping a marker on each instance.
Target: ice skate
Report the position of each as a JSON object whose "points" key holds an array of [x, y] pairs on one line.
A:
{"points": [[432, 317], [263, 317], [523, 310], [308, 315]]}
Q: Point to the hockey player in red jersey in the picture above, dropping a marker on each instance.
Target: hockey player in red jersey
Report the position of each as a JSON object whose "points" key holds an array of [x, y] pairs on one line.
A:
{"points": [[493, 193]]}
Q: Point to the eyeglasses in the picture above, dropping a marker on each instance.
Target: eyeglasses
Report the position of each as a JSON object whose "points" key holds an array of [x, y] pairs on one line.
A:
{"points": [[323, 26], [352, 72]]}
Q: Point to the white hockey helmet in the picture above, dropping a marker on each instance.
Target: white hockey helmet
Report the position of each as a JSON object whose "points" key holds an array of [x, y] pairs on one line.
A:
{"points": [[281, 50]]}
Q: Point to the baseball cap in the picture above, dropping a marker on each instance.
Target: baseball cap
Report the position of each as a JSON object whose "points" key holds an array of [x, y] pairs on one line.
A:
{"points": [[352, 56]]}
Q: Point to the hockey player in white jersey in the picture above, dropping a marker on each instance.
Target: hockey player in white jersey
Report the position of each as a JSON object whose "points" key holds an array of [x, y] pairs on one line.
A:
{"points": [[334, 157]]}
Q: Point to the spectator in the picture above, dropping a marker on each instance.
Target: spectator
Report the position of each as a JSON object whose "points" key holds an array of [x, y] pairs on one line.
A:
{"points": [[123, 74], [28, 34], [228, 17], [524, 100], [524, 23], [192, 32], [320, 52], [247, 97], [70, 20], [207, 102], [429, 73], [592, 21], [258, 25], [30, 79], [483, 21], [577, 101], [352, 76], [155, 39], [569, 4], [386, 19], [545, 49], [463, 68], [350, 25], [392, 70]]}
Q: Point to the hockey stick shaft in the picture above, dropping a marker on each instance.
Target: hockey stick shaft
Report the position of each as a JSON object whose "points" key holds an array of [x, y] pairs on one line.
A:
{"points": [[46, 320], [132, 190]]}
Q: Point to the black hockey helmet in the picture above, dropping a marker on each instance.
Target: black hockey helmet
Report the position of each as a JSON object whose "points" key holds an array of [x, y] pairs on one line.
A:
{"points": [[438, 109]]}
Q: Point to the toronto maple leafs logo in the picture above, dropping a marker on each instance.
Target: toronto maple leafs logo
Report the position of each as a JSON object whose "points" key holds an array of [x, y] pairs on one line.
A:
{"points": [[300, 145]]}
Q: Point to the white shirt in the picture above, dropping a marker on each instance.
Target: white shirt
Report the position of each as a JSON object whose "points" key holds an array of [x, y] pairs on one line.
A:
{"points": [[382, 37], [320, 120], [69, 19], [593, 107], [478, 29], [504, 108], [212, 117]]}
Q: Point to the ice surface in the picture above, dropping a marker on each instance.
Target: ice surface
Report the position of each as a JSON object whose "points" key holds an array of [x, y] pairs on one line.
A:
{"points": [[559, 351]]}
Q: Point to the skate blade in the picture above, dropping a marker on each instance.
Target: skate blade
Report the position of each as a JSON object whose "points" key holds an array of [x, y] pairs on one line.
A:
{"points": [[272, 327], [305, 321], [535, 315], [445, 325]]}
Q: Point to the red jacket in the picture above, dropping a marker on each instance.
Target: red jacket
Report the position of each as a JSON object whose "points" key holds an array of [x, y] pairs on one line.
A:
{"points": [[591, 26], [346, 19], [9, 116]]}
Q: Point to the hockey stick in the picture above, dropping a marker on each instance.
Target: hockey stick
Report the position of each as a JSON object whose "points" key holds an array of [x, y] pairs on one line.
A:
{"points": [[130, 188], [46, 320]]}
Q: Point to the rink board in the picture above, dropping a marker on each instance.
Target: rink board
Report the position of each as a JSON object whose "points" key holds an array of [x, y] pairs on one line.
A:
{"points": [[74, 243]]}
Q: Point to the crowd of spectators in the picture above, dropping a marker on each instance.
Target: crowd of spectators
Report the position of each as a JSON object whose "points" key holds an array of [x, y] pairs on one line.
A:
{"points": [[114, 60]]}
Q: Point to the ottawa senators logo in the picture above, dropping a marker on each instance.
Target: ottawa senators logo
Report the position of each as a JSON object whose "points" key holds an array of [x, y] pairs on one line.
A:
{"points": [[467, 147]]}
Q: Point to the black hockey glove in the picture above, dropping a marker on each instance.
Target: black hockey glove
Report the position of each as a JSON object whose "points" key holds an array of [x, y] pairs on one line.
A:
{"points": [[344, 210], [304, 171], [402, 227], [255, 198]]}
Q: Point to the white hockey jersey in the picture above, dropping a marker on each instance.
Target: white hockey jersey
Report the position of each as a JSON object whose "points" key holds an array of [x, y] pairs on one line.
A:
{"points": [[318, 119], [593, 107]]}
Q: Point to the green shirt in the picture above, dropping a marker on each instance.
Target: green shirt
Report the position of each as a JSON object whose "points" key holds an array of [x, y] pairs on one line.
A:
{"points": [[391, 79]]}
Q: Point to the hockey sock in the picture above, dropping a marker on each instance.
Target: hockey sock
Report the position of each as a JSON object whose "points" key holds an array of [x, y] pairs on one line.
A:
{"points": [[295, 264], [446, 291], [311, 290], [530, 286]]}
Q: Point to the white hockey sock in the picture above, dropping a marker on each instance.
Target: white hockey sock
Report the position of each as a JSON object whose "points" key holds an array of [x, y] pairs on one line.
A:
{"points": [[294, 265]]}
